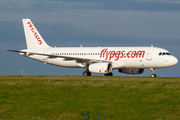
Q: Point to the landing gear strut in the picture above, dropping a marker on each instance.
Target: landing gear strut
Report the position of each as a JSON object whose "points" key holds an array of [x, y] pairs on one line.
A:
{"points": [[153, 73], [108, 74], [85, 73]]}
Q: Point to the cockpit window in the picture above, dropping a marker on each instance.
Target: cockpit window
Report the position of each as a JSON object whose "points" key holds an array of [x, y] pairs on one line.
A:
{"points": [[168, 53], [164, 53]]}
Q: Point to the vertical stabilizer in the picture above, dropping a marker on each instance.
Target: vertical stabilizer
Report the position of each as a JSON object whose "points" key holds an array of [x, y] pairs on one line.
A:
{"points": [[33, 38]]}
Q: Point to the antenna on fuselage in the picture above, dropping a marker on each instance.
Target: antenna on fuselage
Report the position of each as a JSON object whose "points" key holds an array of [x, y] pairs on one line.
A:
{"points": [[151, 45], [81, 46]]}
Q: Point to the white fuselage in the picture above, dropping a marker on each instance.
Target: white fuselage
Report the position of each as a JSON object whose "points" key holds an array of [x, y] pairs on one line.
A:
{"points": [[121, 57]]}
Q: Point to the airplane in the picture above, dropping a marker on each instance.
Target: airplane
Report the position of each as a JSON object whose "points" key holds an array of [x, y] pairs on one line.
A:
{"points": [[101, 60]]}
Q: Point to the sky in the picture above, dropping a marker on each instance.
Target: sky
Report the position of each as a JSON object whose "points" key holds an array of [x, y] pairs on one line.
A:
{"points": [[90, 23]]}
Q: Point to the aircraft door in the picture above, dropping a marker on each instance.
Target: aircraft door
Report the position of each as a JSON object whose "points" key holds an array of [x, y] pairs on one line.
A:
{"points": [[149, 54]]}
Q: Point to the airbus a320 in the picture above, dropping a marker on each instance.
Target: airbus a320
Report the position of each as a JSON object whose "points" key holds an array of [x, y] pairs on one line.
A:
{"points": [[101, 60]]}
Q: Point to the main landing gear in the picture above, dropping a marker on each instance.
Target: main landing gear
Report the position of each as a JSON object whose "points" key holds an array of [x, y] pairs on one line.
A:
{"points": [[85, 73], [108, 74], [153, 73]]}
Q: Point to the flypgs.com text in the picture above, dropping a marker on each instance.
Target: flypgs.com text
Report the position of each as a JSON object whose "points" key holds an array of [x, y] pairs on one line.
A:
{"points": [[105, 53], [35, 33]]}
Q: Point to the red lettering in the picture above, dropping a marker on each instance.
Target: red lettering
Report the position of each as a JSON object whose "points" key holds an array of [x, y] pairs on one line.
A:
{"points": [[107, 54], [122, 54], [102, 52], [140, 53], [117, 55], [30, 25], [128, 54], [40, 42], [35, 33], [33, 30], [111, 54], [133, 54]]}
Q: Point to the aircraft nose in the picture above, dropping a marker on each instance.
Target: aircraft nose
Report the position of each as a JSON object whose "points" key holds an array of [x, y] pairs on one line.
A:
{"points": [[174, 60]]}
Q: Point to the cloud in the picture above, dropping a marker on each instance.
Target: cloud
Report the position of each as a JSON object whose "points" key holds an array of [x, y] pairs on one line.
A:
{"points": [[46, 6], [145, 26]]}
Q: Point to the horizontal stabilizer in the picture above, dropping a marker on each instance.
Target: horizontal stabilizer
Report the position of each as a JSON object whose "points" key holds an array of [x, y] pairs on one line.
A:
{"points": [[15, 51]]}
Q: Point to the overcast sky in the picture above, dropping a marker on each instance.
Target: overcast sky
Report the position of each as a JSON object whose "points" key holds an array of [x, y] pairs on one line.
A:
{"points": [[67, 23]]}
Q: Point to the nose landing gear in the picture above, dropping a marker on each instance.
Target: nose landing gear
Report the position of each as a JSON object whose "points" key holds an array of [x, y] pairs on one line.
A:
{"points": [[153, 73]]}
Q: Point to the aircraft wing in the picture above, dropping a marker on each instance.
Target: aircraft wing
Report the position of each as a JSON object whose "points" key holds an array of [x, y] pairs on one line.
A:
{"points": [[78, 59]]}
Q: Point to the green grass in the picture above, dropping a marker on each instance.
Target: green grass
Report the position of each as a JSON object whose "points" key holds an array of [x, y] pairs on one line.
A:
{"points": [[68, 97]]}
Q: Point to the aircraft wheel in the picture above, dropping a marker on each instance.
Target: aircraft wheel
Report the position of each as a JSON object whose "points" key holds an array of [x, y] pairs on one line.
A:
{"points": [[89, 73], [108, 74], [85, 73], [153, 75]]}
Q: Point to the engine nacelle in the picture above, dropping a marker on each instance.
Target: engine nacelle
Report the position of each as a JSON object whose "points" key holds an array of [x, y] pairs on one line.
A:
{"points": [[100, 68], [131, 70]]}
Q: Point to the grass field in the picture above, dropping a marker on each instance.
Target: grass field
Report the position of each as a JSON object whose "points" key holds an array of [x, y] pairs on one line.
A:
{"points": [[69, 97]]}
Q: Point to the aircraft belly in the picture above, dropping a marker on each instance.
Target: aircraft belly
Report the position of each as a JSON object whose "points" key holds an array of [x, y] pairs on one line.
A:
{"points": [[63, 62], [55, 61], [142, 63], [137, 63]]}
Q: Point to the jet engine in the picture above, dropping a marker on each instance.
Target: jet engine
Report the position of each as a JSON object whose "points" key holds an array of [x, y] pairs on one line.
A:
{"points": [[100, 68], [131, 70]]}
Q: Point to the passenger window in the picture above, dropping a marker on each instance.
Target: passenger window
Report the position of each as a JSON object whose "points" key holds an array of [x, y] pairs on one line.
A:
{"points": [[160, 53]]}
